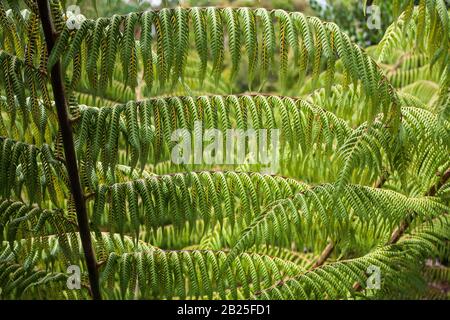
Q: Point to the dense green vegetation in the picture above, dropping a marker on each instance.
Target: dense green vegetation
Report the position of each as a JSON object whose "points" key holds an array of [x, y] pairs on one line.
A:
{"points": [[361, 192]]}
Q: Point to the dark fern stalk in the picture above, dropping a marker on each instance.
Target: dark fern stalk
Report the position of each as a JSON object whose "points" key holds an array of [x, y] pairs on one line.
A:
{"points": [[69, 150]]}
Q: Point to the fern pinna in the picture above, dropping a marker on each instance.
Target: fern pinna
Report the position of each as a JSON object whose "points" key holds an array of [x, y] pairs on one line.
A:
{"points": [[364, 176]]}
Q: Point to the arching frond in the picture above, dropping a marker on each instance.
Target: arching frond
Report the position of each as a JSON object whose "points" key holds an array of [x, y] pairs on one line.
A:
{"points": [[135, 146]]}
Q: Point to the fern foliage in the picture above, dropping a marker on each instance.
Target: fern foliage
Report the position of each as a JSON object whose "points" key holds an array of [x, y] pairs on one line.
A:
{"points": [[363, 181]]}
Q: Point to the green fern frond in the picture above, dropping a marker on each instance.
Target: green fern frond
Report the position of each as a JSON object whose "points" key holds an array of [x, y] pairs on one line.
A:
{"points": [[315, 208]]}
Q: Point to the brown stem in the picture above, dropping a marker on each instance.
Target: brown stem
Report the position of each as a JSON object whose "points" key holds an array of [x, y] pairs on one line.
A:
{"points": [[69, 150], [324, 255], [381, 181], [397, 234], [436, 187], [330, 246]]}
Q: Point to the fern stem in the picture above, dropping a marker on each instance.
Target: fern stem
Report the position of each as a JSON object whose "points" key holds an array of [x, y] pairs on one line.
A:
{"points": [[69, 150], [324, 255], [328, 250], [397, 234]]}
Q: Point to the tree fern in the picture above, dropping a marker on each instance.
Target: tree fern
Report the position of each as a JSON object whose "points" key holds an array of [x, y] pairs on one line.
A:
{"points": [[88, 177]]}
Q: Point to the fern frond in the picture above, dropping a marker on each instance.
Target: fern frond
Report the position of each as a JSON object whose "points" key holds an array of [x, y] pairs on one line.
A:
{"points": [[397, 264], [295, 30], [180, 198], [315, 208]]}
